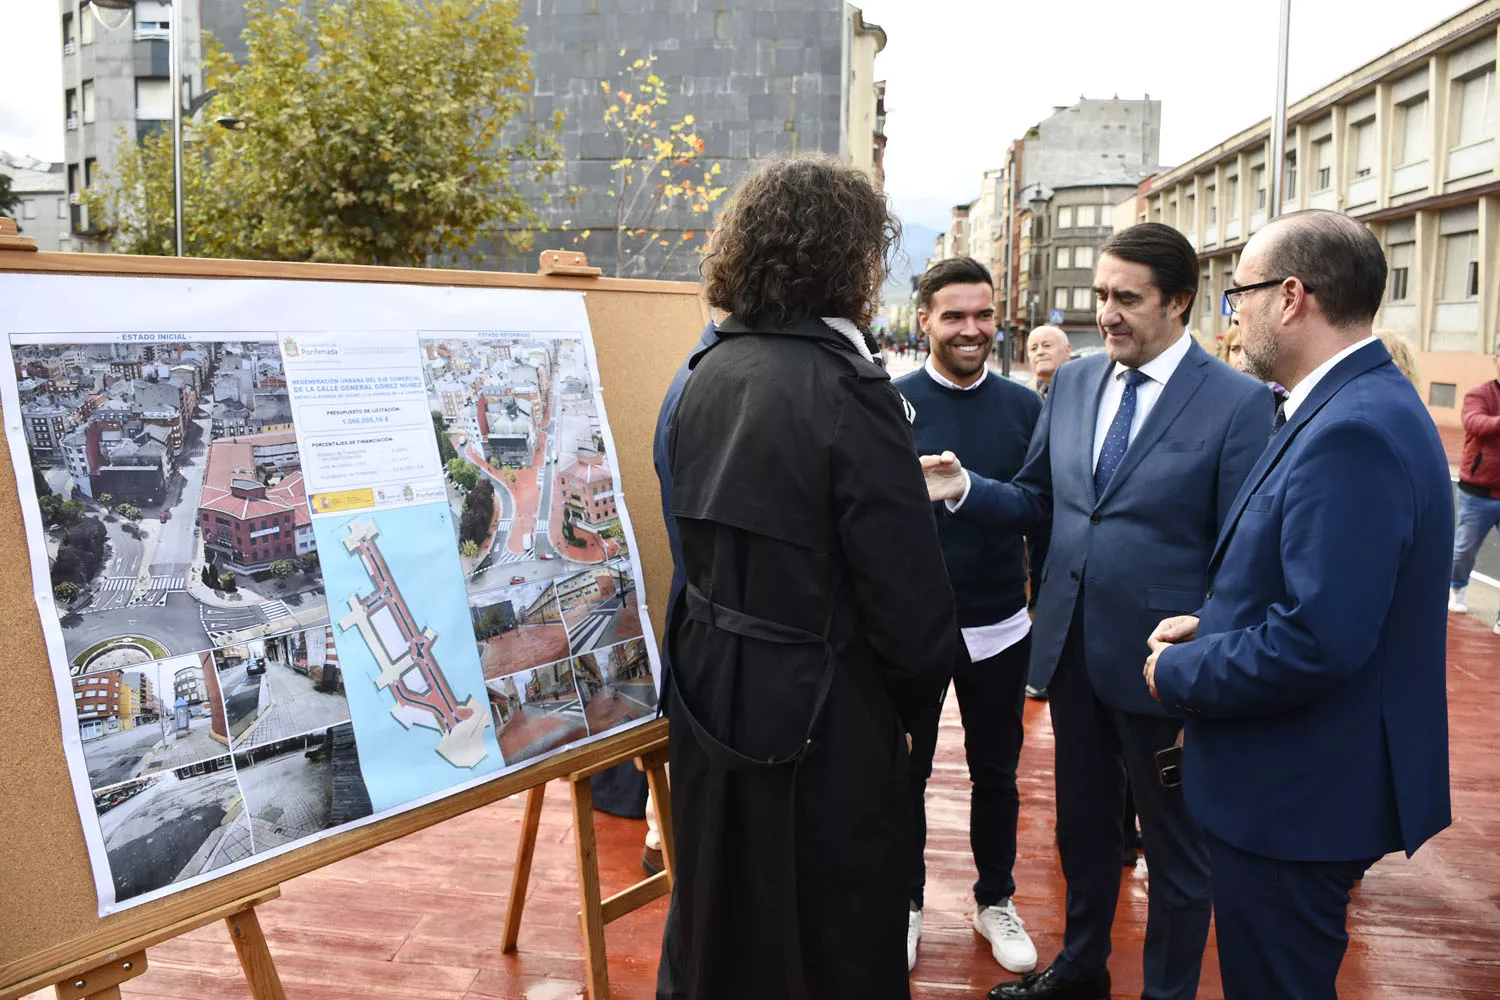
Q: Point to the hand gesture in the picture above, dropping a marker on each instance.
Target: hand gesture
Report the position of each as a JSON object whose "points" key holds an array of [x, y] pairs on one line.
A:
{"points": [[945, 476], [1169, 631]]}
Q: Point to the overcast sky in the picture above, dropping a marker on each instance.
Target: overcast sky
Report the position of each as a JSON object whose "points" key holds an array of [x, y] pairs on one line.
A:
{"points": [[964, 77]]}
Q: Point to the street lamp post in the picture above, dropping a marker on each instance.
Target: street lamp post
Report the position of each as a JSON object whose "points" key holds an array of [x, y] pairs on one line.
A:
{"points": [[1278, 115]]}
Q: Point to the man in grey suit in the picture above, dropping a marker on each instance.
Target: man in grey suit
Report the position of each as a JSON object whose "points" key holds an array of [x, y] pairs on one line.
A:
{"points": [[1135, 461]]}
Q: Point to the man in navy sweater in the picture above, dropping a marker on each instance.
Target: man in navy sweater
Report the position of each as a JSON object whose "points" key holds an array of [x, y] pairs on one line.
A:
{"points": [[963, 407]]}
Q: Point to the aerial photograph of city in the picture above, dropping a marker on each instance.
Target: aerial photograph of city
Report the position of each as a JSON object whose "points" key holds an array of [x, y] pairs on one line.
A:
{"points": [[529, 479], [170, 490]]}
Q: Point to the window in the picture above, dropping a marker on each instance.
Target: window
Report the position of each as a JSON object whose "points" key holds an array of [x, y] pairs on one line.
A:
{"points": [[1205, 296], [88, 101], [1476, 107], [1088, 215], [153, 98], [1083, 298], [62, 208], [70, 38], [1059, 298], [1083, 257], [1211, 195], [1412, 132], [1258, 178], [1291, 177], [1366, 154], [1400, 257], [90, 169], [1460, 267], [1064, 218], [1323, 165], [28, 208], [1190, 217], [1442, 394], [152, 18], [1232, 197], [1064, 257], [86, 29]]}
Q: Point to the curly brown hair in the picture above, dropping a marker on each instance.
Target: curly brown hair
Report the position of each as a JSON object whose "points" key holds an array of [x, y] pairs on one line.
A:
{"points": [[803, 236]]}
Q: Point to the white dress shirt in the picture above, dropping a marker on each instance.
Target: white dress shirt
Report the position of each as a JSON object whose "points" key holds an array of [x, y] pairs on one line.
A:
{"points": [[1157, 371], [1296, 397], [984, 641]]}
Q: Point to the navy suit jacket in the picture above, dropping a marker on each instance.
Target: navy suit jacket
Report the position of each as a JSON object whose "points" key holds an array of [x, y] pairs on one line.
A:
{"points": [[1315, 691], [1142, 548]]}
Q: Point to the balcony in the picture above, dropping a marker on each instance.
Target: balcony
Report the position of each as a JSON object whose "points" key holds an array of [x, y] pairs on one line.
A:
{"points": [[1411, 177], [72, 123], [70, 48], [1324, 199]]}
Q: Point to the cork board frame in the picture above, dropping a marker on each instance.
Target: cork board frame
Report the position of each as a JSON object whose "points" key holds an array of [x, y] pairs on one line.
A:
{"points": [[48, 913]]}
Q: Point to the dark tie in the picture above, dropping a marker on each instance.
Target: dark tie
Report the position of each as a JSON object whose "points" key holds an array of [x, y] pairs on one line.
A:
{"points": [[1117, 438], [1280, 421]]}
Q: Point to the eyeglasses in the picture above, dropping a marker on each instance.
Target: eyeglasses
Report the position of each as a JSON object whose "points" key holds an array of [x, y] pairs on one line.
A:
{"points": [[1232, 295]]}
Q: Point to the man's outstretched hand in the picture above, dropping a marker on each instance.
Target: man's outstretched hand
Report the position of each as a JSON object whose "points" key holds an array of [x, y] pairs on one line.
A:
{"points": [[945, 476]]}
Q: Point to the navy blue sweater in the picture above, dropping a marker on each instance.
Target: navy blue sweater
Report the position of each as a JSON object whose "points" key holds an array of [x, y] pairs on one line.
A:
{"points": [[989, 429]]}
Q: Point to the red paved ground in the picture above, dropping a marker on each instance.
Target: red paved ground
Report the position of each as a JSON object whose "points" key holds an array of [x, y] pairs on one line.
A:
{"points": [[527, 646], [531, 731], [607, 709], [421, 917], [524, 490]]}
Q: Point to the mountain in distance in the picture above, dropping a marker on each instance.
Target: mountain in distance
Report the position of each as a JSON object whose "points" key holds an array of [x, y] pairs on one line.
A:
{"points": [[916, 247]]}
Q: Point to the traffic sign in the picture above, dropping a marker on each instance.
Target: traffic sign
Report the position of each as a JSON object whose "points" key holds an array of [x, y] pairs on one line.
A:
{"points": [[1055, 317]]}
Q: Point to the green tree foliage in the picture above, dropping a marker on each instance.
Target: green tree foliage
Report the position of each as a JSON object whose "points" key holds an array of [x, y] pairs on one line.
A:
{"points": [[39, 481], [57, 511], [465, 474], [210, 578], [446, 451], [378, 132], [227, 581], [469, 549], [281, 569], [129, 512], [81, 555], [65, 592], [9, 200], [309, 562], [106, 501], [494, 620], [479, 509]]}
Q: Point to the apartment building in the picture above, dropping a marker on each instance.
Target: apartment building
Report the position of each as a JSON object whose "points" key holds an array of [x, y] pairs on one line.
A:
{"points": [[1405, 143], [42, 200]]}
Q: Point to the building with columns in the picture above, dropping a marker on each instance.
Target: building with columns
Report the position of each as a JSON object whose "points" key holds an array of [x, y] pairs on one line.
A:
{"points": [[1406, 144]]}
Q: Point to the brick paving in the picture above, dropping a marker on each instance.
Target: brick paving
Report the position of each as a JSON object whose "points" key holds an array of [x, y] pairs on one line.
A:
{"points": [[609, 707], [533, 730], [190, 746], [289, 797], [524, 647], [291, 706]]}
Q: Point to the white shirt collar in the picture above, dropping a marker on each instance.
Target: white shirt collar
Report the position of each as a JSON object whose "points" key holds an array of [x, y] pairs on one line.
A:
{"points": [[1161, 367], [1295, 397], [946, 383], [846, 329]]}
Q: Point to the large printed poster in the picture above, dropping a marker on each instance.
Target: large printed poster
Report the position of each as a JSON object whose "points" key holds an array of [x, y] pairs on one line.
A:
{"points": [[310, 554]]}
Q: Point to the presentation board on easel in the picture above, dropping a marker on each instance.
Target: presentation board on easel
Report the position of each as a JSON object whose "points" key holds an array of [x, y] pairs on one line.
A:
{"points": [[304, 558]]}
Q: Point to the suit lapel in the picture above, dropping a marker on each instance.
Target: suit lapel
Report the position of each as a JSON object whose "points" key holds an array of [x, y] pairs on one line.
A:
{"points": [[1180, 387], [1363, 360]]}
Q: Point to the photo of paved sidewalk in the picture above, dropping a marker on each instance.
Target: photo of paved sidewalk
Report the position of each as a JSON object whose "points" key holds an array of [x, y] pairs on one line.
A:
{"points": [[289, 703], [599, 606], [290, 789], [536, 711], [171, 826], [616, 685]]}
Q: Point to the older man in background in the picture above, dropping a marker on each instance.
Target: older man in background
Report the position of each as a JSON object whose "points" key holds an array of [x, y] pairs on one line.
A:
{"points": [[1047, 349]]}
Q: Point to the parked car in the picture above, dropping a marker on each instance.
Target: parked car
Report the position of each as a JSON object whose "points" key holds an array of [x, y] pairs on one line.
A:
{"points": [[257, 666], [547, 555], [163, 517], [518, 579]]}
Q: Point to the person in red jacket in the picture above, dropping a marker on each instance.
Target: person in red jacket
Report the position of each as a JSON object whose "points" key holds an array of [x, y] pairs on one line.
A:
{"points": [[1478, 484]]}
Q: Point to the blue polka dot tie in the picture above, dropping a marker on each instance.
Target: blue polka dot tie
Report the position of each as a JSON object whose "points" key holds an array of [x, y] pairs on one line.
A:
{"points": [[1117, 438]]}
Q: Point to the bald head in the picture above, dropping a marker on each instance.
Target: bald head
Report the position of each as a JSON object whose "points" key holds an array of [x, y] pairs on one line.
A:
{"points": [[1047, 348], [1338, 260]]}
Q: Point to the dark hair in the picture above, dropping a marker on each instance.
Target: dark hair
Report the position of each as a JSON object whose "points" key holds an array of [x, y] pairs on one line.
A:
{"points": [[1172, 259], [1338, 258], [802, 237], [951, 271]]}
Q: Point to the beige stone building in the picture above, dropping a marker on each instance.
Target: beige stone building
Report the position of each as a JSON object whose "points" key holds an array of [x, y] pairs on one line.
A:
{"points": [[1405, 143]]}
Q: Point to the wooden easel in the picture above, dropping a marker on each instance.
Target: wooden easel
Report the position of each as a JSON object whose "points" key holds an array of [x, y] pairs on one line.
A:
{"points": [[98, 977], [595, 911]]}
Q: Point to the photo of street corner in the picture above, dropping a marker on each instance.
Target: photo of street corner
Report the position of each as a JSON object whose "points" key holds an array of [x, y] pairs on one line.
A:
{"points": [[279, 687], [173, 825], [536, 711], [599, 605], [170, 490], [518, 627], [616, 685], [530, 481], [300, 786]]}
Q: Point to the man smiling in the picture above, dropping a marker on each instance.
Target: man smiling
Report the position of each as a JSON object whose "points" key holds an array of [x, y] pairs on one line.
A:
{"points": [[1134, 464], [961, 406]]}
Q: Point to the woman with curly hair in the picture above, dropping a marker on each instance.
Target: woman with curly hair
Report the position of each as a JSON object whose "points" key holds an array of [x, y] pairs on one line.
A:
{"points": [[817, 622]]}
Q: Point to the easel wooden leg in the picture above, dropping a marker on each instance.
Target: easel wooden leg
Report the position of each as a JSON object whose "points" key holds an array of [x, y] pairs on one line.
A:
{"points": [[521, 876], [591, 917], [255, 957]]}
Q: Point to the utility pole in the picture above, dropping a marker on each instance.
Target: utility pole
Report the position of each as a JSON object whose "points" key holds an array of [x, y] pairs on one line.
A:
{"points": [[1278, 115]]}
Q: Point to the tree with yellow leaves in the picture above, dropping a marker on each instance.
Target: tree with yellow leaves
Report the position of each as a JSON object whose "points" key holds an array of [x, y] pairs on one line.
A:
{"points": [[377, 132], [660, 171]]}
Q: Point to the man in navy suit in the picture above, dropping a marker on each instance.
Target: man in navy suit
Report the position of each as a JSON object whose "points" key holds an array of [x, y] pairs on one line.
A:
{"points": [[1135, 460], [1317, 734]]}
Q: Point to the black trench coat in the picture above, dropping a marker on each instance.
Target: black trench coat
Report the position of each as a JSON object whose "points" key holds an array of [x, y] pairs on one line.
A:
{"points": [[817, 626]]}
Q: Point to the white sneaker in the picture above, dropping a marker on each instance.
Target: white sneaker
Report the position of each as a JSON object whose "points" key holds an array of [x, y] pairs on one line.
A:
{"points": [[1497, 624], [1458, 599], [1006, 933], [913, 933]]}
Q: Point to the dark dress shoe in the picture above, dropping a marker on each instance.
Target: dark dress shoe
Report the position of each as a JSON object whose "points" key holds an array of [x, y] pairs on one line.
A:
{"points": [[1049, 985]]}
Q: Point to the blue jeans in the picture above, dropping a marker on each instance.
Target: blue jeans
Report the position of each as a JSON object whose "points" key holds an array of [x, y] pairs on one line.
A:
{"points": [[1476, 516]]}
